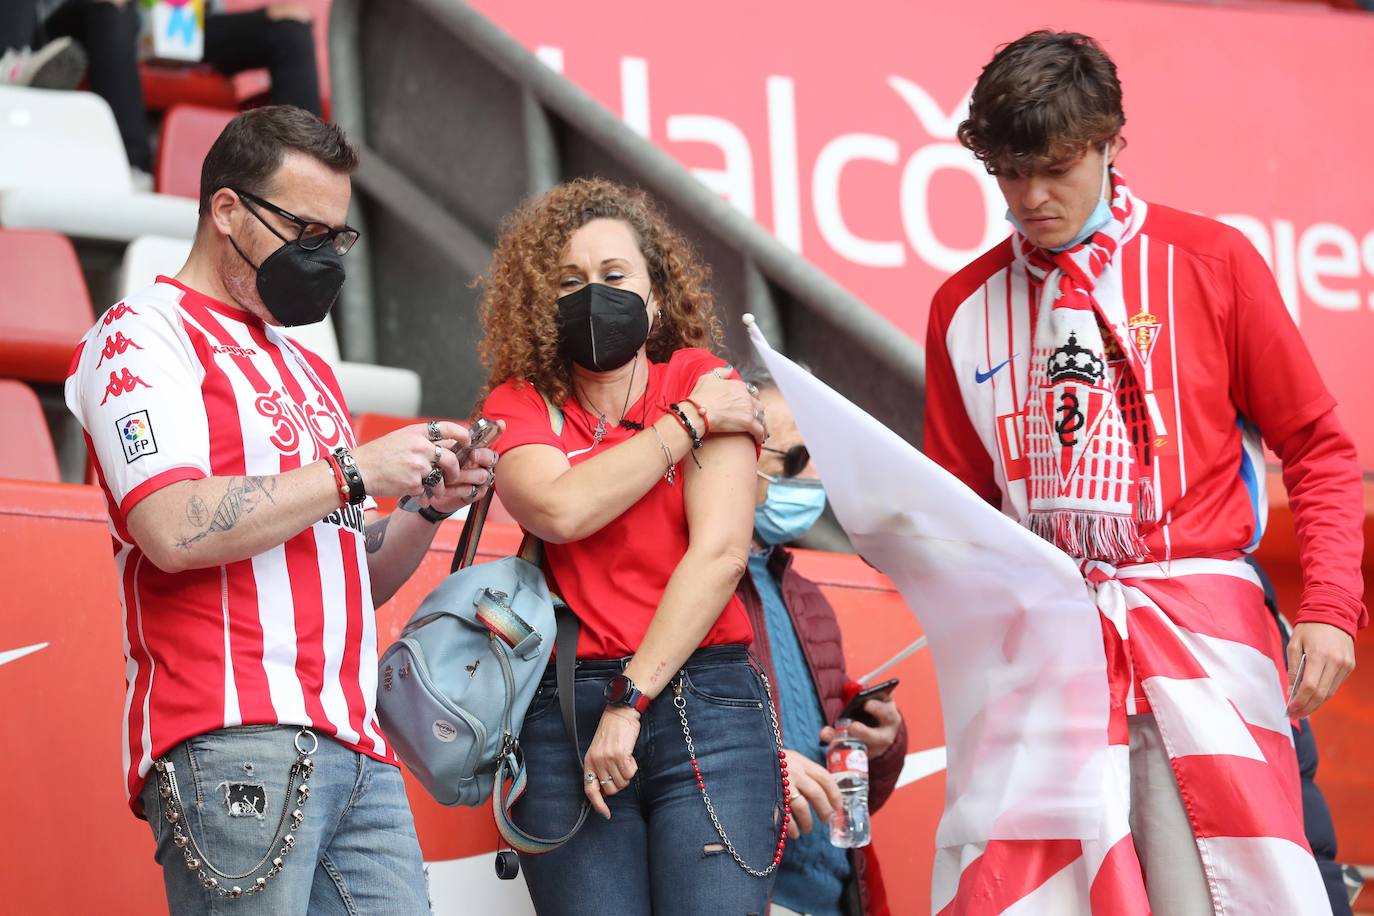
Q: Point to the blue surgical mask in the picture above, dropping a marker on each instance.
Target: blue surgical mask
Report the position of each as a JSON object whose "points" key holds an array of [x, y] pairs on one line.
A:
{"points": [[1101, 215], [792, 507]]}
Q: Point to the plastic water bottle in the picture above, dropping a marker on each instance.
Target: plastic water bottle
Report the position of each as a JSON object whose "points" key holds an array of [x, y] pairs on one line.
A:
{"points": [[847, 760]]}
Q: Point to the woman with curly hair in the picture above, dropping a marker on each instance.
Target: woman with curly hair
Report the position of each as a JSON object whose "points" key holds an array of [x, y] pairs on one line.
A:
{"points": [[645, 502]]}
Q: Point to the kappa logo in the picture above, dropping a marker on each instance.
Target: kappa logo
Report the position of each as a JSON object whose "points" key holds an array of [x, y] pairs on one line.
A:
{"points": [[234, 351], [116, 346], [121, 383], [136, 435], [115, 313]]}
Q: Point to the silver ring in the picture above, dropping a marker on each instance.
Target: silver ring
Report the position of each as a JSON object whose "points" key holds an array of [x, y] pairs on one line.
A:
{"points": [[589, 778], [752, 389], [491, 477], [438, 453], [607, 781], [315, 742], [475, 490], [433, 478], [434, 435]]}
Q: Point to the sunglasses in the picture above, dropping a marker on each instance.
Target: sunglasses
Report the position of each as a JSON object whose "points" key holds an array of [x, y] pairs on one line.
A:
{"points": [[311, 236], [794, 459]]}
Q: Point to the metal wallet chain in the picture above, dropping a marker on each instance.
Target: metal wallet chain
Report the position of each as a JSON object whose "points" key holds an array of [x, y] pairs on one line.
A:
{"points": [[195, 857], [681, 704]]}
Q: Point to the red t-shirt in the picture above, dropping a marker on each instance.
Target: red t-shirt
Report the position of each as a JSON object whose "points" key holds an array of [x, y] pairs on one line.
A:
{"points": [[614, 579]]}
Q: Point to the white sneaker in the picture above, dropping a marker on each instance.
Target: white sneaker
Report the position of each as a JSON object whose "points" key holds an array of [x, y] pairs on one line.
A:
{"points": [[60, 64]]}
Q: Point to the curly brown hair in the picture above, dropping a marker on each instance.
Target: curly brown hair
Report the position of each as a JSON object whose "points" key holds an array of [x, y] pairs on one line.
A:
{"points": [[1044, 98], [520, 301]]}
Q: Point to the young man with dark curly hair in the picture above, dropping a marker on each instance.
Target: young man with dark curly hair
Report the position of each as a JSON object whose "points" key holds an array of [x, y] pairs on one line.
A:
{"points": [[1106, 377]]}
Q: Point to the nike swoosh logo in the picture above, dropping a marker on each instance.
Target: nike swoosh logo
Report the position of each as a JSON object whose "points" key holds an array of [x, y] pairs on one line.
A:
{"points": [[13, 654], [581, 451], [984, 376], [920, 764]]}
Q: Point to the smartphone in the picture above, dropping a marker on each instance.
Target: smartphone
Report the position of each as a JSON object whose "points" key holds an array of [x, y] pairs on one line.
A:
{"points": [[1297, 679], [483, 432], [855, 708]]}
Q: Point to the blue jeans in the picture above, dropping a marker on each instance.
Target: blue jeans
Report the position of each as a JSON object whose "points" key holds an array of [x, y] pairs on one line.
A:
{"points": [[659, 853], [355, 852]]}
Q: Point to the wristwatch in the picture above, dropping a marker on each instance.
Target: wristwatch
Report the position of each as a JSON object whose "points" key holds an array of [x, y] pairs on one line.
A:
{"points": [[621, 691]]}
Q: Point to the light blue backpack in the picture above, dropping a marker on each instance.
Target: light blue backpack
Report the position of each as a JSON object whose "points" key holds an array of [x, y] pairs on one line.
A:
{"points": [[454, 688]]}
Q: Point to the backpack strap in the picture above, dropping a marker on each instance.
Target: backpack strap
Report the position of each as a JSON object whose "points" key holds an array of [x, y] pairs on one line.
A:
{"points": [[512, 764]]}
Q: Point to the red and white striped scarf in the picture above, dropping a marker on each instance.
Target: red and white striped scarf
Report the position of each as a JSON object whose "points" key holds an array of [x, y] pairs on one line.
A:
{"points": [[1087, 431]]}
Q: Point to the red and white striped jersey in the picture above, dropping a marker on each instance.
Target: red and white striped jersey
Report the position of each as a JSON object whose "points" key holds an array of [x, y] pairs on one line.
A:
{"points": [[1224, 369], [172, 385]]}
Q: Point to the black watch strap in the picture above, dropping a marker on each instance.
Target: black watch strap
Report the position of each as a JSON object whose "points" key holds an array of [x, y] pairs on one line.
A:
{"points": [[357, 492], [433, 516]]}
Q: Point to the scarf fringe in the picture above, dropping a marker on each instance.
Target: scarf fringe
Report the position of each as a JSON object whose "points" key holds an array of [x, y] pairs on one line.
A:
{"points": [[1114, 538], [1146, 509]]}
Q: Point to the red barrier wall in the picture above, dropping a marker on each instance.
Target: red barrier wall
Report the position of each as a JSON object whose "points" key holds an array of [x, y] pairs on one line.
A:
{"points": [[72, 847]]}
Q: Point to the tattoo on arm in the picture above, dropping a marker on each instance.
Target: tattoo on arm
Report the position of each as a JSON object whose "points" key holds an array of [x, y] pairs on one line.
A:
{"points": [[241, 497], [376, 534]]}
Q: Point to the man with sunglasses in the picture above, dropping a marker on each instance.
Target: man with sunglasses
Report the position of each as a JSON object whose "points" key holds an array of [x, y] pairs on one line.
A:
{"points": [[797, 636], [240, 509]]}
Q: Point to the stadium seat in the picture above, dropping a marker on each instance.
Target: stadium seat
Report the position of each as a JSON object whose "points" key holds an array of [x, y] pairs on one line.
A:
{"points": [[44, 306], [63, 167], [368, 388], [188, 131], [26, 451]]}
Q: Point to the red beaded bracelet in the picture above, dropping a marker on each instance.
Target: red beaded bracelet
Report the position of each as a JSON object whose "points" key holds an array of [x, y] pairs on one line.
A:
{"points": [[705, 419]]}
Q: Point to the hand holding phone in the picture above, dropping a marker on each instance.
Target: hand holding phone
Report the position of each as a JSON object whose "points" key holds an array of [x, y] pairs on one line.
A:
{"points": [[483, 433], [854, 709]]}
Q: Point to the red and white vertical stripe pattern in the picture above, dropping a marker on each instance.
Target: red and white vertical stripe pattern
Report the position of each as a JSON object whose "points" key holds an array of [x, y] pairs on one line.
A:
{"points": [[288, 636], [1215, 684]]}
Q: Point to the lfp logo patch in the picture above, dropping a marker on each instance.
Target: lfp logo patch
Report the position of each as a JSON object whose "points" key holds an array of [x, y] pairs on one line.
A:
{"points": [[136, 434]]}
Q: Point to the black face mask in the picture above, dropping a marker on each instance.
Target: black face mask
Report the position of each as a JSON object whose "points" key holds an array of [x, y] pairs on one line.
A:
{"points": [[298, 286], [602, 327]]}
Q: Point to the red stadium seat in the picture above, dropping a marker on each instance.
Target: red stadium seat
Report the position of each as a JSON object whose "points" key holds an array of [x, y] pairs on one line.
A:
{"points": [[26, 451], [188, 131], [44, 306]]}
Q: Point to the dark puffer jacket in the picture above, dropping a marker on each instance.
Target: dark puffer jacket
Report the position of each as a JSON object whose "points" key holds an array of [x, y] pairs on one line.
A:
{"points": [[818, 630]]}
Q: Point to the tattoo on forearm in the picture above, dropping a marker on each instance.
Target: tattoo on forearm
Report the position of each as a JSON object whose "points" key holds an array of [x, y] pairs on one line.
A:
{"points": [[376, 534], [243, 495]]}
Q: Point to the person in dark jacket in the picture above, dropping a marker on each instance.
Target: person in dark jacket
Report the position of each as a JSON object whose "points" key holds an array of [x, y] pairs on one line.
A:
{"points": [[798, 638], [1342, 882]]}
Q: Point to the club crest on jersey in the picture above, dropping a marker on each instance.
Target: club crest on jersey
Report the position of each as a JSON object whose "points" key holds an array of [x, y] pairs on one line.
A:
{"points": [[136, 435], [1144, 329], [1074, 402]]}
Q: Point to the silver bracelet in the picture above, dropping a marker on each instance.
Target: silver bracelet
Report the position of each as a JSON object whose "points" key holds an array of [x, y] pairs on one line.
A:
{"points": [[671, 474]]}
